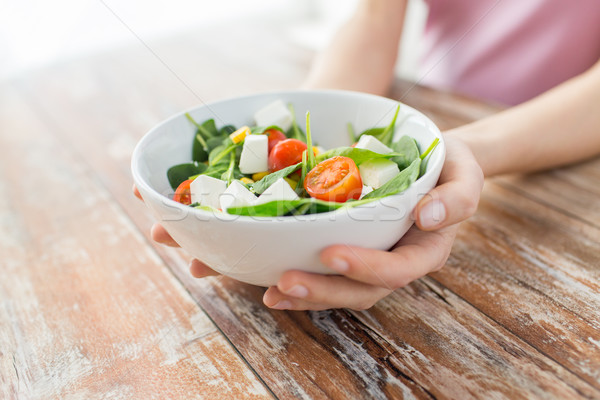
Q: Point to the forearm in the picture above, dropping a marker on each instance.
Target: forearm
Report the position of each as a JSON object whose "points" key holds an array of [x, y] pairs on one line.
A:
{"points": [[557, 128], [362, 54]]}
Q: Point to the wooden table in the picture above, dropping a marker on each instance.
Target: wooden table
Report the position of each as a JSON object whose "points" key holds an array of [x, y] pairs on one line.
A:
{"points": [[91, 308]]}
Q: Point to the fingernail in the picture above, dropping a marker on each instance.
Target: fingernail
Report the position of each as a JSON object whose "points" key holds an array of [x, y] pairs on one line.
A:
{"points": [[339, 264], [282, 305], [297, 291], [432, 214]]}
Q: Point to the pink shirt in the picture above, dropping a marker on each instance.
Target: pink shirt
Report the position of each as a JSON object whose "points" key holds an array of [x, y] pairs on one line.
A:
{"points": [[509, 50]]}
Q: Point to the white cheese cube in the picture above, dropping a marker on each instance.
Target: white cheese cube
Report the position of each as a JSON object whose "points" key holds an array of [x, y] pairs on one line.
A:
{"points": [[207, 190], [377, 172], [280, 190], [372, 143], [255, 154], [236, 195], [365, 191], [275, 113]]}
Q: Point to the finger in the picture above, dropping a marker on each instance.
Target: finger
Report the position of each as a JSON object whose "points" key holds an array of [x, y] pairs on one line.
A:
{"points": [[160, 235], [200, 270], [136, 192], [276, 300], [333, 291], [418, 254], [457, 195]]}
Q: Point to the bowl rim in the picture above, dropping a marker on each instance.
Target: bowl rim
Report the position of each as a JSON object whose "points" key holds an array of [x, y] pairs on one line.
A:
{"points": [[212, 215]]}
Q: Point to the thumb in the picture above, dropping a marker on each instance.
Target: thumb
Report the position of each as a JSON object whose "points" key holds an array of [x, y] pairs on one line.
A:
{"points": [[457, 195]]}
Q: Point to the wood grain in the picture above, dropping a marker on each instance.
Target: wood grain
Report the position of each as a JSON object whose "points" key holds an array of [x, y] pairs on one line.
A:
{"points": [[88, 309], [495, 323]]}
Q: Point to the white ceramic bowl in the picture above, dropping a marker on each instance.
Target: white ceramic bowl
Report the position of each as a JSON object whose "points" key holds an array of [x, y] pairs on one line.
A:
{"points": [[259, 250]]}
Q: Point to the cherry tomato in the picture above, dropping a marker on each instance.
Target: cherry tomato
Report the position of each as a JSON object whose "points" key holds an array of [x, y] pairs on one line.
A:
{"points": [[285, 153], [183, 194], [275, 136], [335, 179]]}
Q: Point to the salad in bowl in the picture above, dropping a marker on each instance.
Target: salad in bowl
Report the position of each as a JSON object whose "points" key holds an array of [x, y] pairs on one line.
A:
{"points": [[252, 190]]}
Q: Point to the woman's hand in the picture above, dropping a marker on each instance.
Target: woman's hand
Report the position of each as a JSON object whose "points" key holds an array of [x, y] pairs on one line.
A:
{"points": [[367, 275]]}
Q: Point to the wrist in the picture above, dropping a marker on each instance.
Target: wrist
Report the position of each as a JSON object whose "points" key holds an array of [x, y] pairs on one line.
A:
{"points": [[486, 146]]}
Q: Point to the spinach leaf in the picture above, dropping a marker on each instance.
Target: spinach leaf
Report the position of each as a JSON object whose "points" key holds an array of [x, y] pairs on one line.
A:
{"points": [[407, 149], [219, 152], [270, 179], [181, 172], [425, 156], [232, 172], [216, 171], [397, 184], [351, 133], [199, 149], [208, 129], [227, 130], [300, 187], [256, 130], [310, 158], [214, 142], [357, 155], [384, 134], [278, 208], [295, 132], [228, 175]]}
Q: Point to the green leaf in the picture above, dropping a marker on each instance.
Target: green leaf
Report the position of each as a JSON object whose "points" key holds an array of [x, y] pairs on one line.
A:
{"points": [[431, 147], [214, 142], [384, 134], [182, 172], [397, 184], [303, 169], [256, 130], [407, 149], [310, 158], [208, 128], [278, 208], [357, 155], [425, 156], [227, 130], [270, 179], [199, 149], [228, 175], [216, 171], [295, 132], [351, 133], [219, 152]]}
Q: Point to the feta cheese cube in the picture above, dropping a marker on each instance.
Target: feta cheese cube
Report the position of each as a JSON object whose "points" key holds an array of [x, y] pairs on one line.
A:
{"points": [[372, 143], [275, 113], [255, 154], [377, 172], [206, 191], [236, 195], [365, 191], [280, 190]]}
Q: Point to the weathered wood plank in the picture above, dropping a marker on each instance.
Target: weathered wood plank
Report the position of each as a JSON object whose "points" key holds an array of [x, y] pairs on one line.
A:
{"points": [[571, 190], [536, 272], [88, 309], [450, 348]]}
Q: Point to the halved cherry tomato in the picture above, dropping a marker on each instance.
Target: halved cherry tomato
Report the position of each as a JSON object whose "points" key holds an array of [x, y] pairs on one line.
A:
{"points": [[183, 194], [275, 136], [285, 153], [336, 179]]}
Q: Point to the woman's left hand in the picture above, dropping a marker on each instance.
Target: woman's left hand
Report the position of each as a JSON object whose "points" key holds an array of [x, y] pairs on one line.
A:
{"points": [[366, 275]]}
